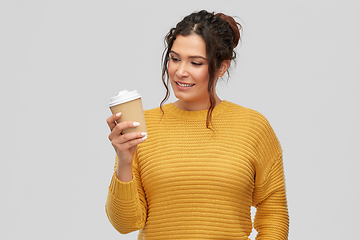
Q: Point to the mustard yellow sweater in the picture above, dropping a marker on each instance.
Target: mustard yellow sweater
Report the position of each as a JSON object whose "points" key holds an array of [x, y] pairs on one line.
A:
{"points": [[191, 182]]}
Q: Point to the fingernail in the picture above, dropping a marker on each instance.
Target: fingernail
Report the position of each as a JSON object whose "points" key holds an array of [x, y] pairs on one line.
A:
{"points": [[118, 114], [144, 138], [136, 124], [144, 133]]}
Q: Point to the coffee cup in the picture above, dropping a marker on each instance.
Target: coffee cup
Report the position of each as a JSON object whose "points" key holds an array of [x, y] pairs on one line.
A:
{"points": [[130, 106]]}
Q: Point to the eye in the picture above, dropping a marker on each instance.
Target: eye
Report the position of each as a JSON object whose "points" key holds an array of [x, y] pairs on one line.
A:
{"points": [[175, 59], [196, 63]]}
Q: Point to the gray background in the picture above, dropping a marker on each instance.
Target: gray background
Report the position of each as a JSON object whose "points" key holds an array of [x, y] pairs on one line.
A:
{"points": [[60, 61]]}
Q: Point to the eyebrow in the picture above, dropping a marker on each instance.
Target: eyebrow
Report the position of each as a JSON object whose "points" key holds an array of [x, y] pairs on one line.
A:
{"points": [[196, 56]]}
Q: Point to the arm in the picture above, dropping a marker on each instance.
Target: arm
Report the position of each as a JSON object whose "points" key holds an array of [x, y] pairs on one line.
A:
{"points": [[126, 206], [269, 197], [272, 218]]}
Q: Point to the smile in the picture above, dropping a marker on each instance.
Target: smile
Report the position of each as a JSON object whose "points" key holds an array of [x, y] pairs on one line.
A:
{"points": [[184, 85]]}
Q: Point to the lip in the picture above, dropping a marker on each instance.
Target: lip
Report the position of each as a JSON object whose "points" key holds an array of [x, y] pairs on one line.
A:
{"points": [[182, 87]]}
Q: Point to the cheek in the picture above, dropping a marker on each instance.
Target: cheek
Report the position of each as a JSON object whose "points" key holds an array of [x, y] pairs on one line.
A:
{"points": [[202, 76], [171, 69]]}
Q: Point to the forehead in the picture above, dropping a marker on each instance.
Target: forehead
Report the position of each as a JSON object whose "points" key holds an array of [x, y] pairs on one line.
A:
{"points": [[191, 45]]}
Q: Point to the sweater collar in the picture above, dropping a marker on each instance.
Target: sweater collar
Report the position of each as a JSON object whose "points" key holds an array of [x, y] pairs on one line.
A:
{"points": [[195, 115]]}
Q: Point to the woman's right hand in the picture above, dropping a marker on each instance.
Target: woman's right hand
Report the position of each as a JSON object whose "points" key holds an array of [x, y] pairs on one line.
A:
{"points": [[124, 144]]}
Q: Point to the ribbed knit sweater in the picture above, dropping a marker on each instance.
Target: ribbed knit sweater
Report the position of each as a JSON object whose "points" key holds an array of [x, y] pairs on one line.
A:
{"points": [[191, 182]]}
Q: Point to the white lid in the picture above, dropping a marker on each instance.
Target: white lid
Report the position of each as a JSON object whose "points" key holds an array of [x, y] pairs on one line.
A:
{"points": [[123, 96]]}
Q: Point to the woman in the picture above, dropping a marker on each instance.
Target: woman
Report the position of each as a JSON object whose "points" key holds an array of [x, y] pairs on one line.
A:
{"points": [[204, 161]]}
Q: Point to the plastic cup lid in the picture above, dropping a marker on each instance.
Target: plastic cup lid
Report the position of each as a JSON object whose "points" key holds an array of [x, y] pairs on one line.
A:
{"points": [[124, 96]]}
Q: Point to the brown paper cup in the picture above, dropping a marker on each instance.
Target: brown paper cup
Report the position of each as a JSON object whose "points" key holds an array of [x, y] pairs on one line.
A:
{"points": [[130, 106]]}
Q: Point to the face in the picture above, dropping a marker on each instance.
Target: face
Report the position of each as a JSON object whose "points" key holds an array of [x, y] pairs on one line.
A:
{"points": [[188, 70]]}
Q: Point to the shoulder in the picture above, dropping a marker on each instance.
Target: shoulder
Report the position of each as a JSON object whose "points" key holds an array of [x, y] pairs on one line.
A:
{"points": [[246, 114], [152, 111], [247, 119], [257, 126], [156, 113]]}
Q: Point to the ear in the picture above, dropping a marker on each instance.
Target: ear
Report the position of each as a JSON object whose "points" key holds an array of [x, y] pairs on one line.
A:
{"points": [[223, 68]]}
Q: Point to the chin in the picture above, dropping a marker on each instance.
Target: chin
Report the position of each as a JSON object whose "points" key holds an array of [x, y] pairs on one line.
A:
{"points": [[181, 97]]}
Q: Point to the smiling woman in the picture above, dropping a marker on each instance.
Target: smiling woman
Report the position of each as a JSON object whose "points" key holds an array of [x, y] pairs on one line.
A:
{"points": [[205, 161], [188, 73], [211, 38]]}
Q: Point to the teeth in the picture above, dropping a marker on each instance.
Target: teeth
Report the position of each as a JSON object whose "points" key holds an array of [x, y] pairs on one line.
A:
{"points": [[184, 85]]}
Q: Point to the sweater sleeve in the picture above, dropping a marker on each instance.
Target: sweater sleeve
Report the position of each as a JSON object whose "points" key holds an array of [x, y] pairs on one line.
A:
{"points": [[269, 198], [126, 205]]}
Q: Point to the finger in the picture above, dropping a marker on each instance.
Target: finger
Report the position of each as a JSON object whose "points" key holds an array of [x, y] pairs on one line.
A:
{"points": [[111, 121], [118, 139], [118, 129], [129, 144], [133, 136]]}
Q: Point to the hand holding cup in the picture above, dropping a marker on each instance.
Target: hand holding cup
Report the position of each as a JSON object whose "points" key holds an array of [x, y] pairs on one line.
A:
{"points": [[128, 129], [124, 144]]}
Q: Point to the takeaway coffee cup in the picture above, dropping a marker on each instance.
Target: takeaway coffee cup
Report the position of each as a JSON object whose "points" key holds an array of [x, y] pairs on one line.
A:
{"points": [[130, 106]]}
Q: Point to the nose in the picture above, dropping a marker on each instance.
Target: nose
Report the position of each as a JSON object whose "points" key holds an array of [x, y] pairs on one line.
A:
{"points": [[182, 72]]}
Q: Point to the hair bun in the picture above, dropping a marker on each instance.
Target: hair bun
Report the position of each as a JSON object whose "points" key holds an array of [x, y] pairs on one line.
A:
{"points": [[235, 27]]}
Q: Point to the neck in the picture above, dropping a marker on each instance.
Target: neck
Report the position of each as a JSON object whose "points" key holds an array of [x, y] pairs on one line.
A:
{"points": [[195, 105]]}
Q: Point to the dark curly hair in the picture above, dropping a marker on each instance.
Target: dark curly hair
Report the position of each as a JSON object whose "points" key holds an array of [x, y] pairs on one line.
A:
{"points": [[221, 34]]}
